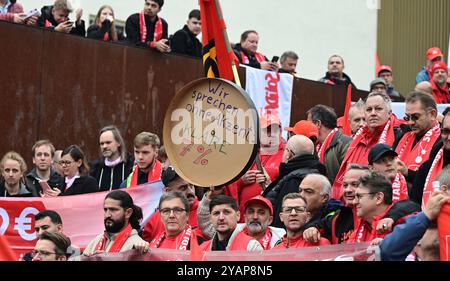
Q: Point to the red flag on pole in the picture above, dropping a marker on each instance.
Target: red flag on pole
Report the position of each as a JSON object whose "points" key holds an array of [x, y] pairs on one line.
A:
{"points": [[218, 57], [6, 253], [377, 64], [346, 130], [196, 253]]}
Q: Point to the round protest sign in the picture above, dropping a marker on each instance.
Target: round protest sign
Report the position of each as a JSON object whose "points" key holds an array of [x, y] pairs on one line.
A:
{"points": [[211, 132]]}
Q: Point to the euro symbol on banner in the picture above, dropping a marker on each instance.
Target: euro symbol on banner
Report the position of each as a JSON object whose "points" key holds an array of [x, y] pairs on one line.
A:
{"points": [[5, 221], [23, 223], [210, 60]]}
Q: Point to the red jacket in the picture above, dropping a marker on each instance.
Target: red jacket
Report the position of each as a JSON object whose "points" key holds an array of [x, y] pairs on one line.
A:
{"points": [[365, 231], [242, 193], [440, 95], [154, 226], [239, 243], [298, 242]]}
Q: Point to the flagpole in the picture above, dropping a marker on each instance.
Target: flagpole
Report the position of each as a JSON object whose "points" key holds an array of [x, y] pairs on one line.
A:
{"points": [[227, 43]]}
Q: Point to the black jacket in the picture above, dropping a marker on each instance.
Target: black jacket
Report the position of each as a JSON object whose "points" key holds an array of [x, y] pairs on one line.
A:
{"points": [[344, 220], [97, 32], [118, 173], [32, 179], [253, 62], [25, 191], [416, 192], [185, 42], [133, 28], [335, 81], [81, 185], [46, 14], [290, 176]]}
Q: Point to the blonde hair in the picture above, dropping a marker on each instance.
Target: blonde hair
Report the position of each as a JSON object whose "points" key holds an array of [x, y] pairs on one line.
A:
{"points": [[12, 155], [146, 138], [112, 32]]}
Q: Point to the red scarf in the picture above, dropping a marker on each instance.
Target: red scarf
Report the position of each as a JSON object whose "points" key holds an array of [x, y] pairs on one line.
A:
{"points": [[435, 169], [365, 231], [182, 240], [157, 35], [322, 148], [399, 188], [259, 57], [117, 245], [265, 240], [358, 153], [415, 156], [153, 175]]}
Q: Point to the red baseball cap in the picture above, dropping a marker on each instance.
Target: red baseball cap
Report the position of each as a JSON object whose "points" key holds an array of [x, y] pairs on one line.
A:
{"points": [[433, 53], [384, 68], [438, 65], [268, 119], [261, 200], [305, 128]]}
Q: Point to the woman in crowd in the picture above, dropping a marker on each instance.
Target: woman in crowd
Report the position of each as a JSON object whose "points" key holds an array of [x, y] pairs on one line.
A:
{"points": [[12, 184], [104, 27]]}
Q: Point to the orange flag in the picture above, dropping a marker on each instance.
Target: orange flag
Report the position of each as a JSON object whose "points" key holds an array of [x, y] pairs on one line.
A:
{"points": [[218, 57], [6, 253], [346, 130]]}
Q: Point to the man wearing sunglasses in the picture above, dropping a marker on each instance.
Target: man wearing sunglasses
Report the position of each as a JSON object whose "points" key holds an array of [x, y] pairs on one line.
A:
{"points": [[415, 146], [439, 159]]}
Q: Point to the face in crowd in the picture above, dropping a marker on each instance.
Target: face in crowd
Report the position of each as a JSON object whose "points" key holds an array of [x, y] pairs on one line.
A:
{"points": [[367, 202], [289, 64], [145, 156], [182, 186], [311, 189], [357, 119], [335, 66], [60, 15], [294, 215], [45, 250], [420, 119], [11, 172], [270, 136], [250, 44], [386, 165], [105, 13], [174, 216], [194, 25], [115, 216], [70, 166], [387, 76], [109, 145], [350, 183], [257, 218], [377, 112], [43, 158], [151, 8], [224, 218], [46, 225]]}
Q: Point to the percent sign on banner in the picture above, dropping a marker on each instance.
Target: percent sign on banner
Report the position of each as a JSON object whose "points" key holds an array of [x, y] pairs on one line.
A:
{"points": [[211, 132]]}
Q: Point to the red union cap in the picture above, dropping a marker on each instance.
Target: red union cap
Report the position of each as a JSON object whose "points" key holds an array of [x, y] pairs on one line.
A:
{"points": [[384, 68], [268, 119], [433, 53], [261, 200], [305, 128], [438, 65]]}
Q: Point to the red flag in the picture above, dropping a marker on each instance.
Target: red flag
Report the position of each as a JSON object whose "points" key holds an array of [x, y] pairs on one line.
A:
{"points": [[196, 253], [377, 63], [6, 253], [218, 57], [346, 130], [443, 223]]}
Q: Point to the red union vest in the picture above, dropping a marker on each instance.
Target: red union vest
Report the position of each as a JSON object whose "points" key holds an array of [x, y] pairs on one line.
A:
{"points": [[240, 243]]}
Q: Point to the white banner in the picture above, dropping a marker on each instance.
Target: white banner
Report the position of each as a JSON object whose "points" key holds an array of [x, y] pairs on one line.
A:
{"points": [[271, 91]]}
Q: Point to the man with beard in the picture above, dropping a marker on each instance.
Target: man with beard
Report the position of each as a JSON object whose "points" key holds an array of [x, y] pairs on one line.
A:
{"points": [[147, 168], [224, 217], [258, 216], [380, 128], [271, 154], [339, 227], [439, 159], [174, 183], [121, 219], [294, 216], [43, 153], [298, 161], [415, 146], [335, 74], [115, 164], [382, 159]]}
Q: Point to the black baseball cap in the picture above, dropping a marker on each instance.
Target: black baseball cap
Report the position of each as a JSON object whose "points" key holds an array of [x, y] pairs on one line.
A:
{"points": [[168, 175], [380, 150]]}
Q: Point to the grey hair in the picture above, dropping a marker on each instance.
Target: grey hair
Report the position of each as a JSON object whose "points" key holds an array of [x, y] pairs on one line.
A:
{"points": [[385, 97], [355, 166], [174, 195], [326, 185], [444, 177], [288, 54]]}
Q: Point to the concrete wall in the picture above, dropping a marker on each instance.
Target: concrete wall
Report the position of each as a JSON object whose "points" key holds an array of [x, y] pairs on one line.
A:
{"points": [[313, 29]]}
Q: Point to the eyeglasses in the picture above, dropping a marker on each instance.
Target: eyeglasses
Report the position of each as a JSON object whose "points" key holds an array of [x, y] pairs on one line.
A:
{"points": [[445, 131], [288, 150], [177, 211], [413, 117], [34, 253], [65, 163], [358, 196], [298, 210]]}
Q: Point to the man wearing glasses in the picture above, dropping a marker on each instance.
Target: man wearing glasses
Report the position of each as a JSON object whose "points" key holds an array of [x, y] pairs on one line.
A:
{"points": [[439, 159], [294, 215], [51, 247], [415, 146]]}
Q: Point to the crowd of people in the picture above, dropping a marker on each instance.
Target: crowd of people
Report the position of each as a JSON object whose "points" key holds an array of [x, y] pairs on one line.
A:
{"points": [[318, 187]]}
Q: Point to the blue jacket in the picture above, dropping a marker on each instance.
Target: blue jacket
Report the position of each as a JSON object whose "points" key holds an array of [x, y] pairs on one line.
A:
{"points": [[422, 76], [398, 244]]}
